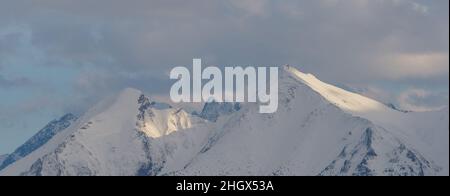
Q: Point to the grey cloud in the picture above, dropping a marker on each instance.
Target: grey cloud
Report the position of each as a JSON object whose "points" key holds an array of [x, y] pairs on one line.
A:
{"points": [[341, 41], [112, 44]]}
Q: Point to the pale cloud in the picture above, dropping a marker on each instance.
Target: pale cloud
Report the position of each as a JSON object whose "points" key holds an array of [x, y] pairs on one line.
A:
{"points": [[354, 4], [366, 4], [139, 35], [252, 7], [419, 7], [422, 65], [292, 9], [415, 99]]}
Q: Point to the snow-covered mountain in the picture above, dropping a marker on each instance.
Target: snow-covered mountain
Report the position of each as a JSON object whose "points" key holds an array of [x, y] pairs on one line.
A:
{"points": [[319, 129], [323, 130], [119, 136], [38, 140]]}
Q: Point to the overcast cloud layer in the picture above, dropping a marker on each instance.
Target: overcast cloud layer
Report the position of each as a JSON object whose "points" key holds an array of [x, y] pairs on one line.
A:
{"points": [[60, 56]]}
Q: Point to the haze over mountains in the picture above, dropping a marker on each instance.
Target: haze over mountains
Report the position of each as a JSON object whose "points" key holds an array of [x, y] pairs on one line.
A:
{"points": [[319, 129]]}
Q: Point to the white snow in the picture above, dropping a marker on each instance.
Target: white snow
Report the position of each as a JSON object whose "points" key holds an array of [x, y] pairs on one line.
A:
{"points": [[165, 122], [310, 131], [316, 129], [341, 98], [426, 131]]}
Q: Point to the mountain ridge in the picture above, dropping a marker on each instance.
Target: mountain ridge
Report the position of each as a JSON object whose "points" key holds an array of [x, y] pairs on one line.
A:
{"points": [[39, 139], [138, 138]]}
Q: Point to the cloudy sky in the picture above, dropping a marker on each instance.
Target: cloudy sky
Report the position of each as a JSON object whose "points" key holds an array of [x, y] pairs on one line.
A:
{"points": [[59, 56]]}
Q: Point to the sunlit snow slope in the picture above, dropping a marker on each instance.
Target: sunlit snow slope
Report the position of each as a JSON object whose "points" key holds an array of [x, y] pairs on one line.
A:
{"points": [[319, 129]]}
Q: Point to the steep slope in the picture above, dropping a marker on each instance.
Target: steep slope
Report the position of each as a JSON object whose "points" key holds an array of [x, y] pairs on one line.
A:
{"points": [[113, 138], [318, 129], [39, 139], [424, 131], [343, 99]]}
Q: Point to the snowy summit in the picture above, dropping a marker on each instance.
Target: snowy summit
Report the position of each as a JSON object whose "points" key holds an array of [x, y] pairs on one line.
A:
{"points": [[319, 129]]}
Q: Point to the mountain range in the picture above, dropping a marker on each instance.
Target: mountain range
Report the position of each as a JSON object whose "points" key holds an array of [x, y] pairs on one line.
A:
{"points": [[319, 129]]}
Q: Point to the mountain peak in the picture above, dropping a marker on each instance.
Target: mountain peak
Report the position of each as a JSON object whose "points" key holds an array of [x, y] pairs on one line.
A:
{"points": [[346, 100], [295, 71], [129, 134]]}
